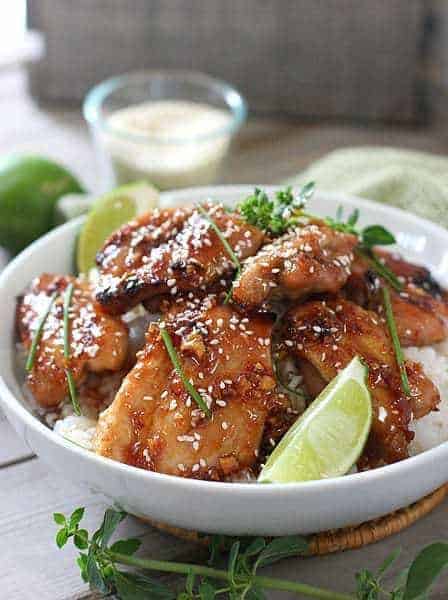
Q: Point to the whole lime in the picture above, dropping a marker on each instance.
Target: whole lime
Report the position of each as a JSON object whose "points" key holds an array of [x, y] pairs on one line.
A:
{"points": [[29, 189]]}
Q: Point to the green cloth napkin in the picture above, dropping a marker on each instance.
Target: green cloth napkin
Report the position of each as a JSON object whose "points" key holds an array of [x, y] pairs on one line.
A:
{"points": [[413, 181]]}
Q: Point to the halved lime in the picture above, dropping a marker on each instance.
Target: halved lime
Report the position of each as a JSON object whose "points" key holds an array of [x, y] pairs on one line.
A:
{"points": [[328, 438], [109, 212], [29, 189]]}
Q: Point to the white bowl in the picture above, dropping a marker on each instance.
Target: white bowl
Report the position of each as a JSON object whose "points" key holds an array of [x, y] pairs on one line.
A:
{"points": [[227, 508]]}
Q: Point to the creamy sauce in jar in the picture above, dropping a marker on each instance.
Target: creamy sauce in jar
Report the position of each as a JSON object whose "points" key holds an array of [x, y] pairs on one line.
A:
{"points": [[179, 143]]}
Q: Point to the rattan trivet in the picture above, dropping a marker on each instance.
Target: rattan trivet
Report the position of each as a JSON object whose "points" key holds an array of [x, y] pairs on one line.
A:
{"points": [[347, 538]]}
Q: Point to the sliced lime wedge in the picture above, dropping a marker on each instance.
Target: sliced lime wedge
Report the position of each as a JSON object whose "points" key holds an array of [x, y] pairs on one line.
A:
{"points": [[328, 438], [110, 212]]}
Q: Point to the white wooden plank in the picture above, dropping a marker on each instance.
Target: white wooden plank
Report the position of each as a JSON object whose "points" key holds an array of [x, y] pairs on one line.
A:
{"points": [[12, 448], [31, 566]]}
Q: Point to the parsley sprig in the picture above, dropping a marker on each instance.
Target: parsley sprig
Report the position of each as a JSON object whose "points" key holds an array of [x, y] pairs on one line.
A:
{"points": [[100, 560], [278, 214]]}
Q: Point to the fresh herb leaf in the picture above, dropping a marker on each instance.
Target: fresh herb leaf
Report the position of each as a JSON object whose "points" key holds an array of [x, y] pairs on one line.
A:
{"points": [[112, 518], [206, 591], [94, 575], [388, 562], [255, 547], [232, 564], [396, 341], [38, 334], [76, 516], [61, 537], [81, 561], [280, 548], [129, 546], [425, 569], [368, 587], [81, 538], [178, 367], [138, 587], [376, 235], [59, 519]]}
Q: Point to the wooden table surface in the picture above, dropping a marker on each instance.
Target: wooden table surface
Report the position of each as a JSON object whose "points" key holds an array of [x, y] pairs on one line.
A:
{"points": [[267, 151]]}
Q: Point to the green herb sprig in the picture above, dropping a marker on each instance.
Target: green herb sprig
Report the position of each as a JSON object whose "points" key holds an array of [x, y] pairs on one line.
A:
{"points": [[38, 334], [179, 370], [70, 379], [276, 215], [396, 341], [99, 561]]}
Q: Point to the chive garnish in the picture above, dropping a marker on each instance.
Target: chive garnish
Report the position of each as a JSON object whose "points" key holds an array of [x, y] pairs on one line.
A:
{"points": [[179, 370], [396, 341], [71, 382], [38, 334], [234, 258], [381, 269]]}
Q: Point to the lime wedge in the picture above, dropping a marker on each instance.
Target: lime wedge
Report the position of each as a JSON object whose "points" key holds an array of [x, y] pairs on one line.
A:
{"points": [[109, 212], [328, 438]]}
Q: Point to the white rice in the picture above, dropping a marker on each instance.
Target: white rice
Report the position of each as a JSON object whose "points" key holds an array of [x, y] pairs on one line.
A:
{"points": [[432, 429], [79, 430]]}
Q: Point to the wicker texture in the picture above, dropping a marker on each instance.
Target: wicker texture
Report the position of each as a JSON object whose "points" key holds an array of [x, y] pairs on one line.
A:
{"points": [[354, 58]]}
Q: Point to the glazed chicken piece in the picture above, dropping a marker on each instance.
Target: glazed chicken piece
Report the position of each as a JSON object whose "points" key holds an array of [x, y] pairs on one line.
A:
{"points": [[98, 342], [420, 309], [324, 335], [308, 260], [171, 251], [155, 424]]}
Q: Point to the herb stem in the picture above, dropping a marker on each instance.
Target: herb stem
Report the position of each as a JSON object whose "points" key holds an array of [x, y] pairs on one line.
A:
{"points": [[38, 334], [396, 341], [381, 269], [265, 582], [177, 365], [234, 258], [220, 234], [70, 380]]}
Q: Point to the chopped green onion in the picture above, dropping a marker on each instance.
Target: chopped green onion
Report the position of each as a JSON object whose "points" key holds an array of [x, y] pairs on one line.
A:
{"points": [[38, 334], [224, 242], [177, 365], [396, 341], [73, 393], [226, 245], [71, 382], [381, 269]]}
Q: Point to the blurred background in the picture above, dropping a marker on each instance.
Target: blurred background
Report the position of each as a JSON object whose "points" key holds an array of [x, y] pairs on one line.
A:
{"points": [[316, 74]]}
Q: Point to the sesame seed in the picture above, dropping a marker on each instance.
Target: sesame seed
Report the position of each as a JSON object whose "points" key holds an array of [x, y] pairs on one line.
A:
{"points": [[224, 425]]}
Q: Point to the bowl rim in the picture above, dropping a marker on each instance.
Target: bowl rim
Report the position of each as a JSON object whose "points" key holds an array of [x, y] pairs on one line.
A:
{"points": [[350, 482], [95, 97]]}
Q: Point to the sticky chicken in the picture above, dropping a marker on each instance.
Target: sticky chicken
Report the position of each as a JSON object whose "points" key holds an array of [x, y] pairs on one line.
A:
{"points": [[98, 342]]}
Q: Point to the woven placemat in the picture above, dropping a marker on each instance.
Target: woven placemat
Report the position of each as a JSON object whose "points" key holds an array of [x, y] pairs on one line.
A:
{"points": [[347, 538]]}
